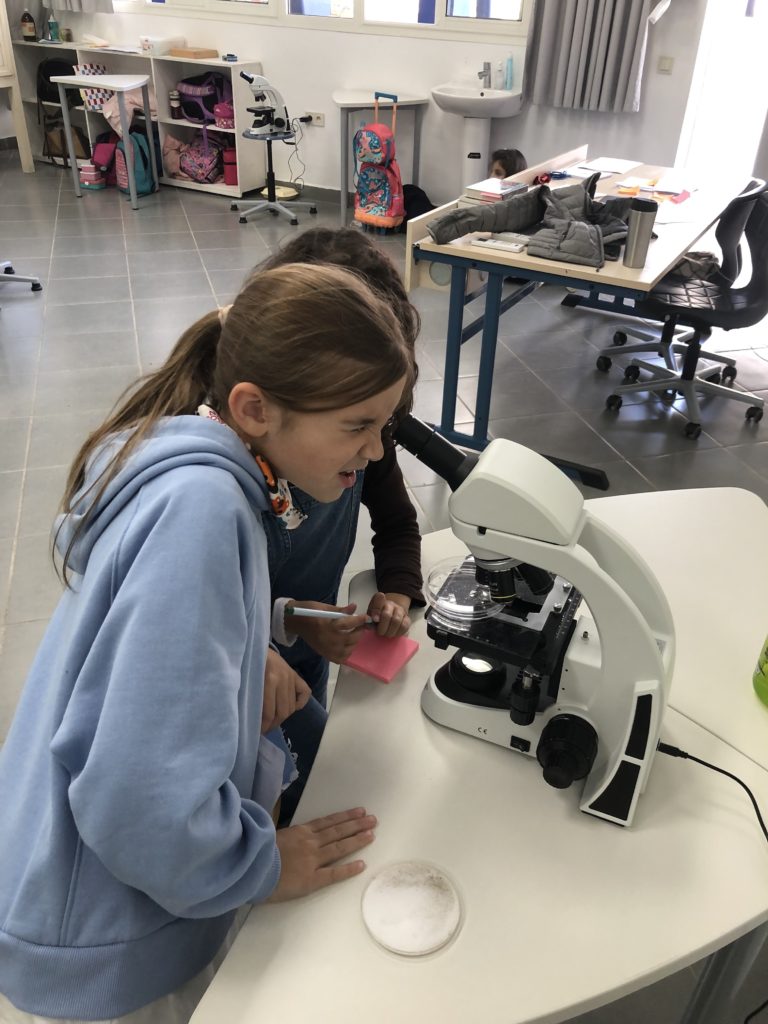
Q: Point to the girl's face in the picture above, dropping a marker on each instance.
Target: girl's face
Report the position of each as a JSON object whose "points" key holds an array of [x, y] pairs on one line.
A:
{"points": [[321, 452], [497, 171]]}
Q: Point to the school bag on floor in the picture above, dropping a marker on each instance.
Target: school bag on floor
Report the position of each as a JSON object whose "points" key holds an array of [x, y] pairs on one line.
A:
{"points": [[142, 166], [104, 150], [379, 197]]}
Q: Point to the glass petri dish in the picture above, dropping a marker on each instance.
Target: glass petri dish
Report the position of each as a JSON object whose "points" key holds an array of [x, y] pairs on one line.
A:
{"points": [[453, 593]]}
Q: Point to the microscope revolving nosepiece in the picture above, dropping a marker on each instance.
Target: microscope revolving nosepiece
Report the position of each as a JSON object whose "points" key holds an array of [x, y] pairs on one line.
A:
{"points": [[454, 595]]}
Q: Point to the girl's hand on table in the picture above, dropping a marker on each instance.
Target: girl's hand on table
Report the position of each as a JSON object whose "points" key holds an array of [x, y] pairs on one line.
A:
{"points": [[390, 613]]}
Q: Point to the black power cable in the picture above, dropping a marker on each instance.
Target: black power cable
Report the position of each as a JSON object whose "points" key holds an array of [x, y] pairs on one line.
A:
{"points": [[667, 748]]}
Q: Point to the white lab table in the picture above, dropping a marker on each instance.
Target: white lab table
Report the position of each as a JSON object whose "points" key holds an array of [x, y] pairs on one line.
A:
{"points": [[562, 912], [350, 101]]}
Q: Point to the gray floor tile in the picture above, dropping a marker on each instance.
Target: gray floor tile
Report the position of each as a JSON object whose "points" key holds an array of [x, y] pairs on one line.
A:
{"points": [[155, 347], [88, 351], [643, 430], [19, 355], [551, 348], [87, 290], [225, 282], [28, 229], [515, 392], [27, 212], [55, 440], [561, 434], [16, 394], [428, 402], [622, 477], [10, 495], [110, 244], [87, 228], [234, 259], [92, 319], [68, 391], [755, 455], [13, 443], [19, 646], [172, 314], [432, 499], [164, 263], [43, 489], [584, 387], [161, 220], [161, 286], [753, 370], [91, 211], [172, 241], [21, 314], [34, 589], [87, 265], [717, 467], [247, 237]]}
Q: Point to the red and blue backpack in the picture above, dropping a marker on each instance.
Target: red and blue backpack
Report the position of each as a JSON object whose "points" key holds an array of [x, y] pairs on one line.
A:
{"points": [[379, 198]]}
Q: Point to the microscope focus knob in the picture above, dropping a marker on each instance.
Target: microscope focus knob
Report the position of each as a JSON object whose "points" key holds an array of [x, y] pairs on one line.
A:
{"points": [[567, 750]]}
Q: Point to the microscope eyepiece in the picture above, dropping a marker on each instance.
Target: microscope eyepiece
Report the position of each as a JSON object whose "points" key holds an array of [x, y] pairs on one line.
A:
{"points": [[423, 441]]}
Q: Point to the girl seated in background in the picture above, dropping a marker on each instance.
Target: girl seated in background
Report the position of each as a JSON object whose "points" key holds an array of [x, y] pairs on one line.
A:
{"points": [[505, 162]]}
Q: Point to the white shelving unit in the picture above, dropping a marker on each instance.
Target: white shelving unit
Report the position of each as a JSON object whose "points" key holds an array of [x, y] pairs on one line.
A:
{"points": [[164, 73]]}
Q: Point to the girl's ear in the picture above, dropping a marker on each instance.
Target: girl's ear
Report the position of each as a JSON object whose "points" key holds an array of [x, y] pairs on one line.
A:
{"points": [[252, 413]]}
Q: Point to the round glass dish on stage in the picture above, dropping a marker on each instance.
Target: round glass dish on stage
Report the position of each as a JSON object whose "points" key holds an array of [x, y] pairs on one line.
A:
{"points": [[455, 595], [411, 908]]}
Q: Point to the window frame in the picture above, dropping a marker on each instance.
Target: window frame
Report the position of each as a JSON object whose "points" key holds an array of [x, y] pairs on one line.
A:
{"points": [[274, 13]]}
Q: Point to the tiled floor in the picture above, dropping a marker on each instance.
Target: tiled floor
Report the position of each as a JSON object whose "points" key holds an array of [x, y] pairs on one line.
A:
{"points": [[119, 286]]}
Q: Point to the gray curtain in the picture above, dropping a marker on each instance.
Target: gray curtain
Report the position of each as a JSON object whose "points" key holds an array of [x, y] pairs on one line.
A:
{"points": [[589, 54]]}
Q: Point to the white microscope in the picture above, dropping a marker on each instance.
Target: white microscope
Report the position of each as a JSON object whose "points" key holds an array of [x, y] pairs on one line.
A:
{"points": [[565, 639], [271, 114]]}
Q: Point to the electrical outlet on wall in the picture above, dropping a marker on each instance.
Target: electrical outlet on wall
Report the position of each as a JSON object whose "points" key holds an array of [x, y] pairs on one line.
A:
{"points": [[318, 119]]}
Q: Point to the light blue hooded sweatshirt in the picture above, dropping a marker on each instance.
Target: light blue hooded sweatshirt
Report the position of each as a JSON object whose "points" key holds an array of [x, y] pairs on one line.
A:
{"points": [[135, 784]]}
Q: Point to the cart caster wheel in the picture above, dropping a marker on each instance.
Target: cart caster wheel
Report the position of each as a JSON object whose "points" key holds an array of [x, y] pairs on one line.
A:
{"points": [[631, 374], [313, 209], [692, 430], [242, 220], [37, 287], [604, 363], [233, 206], [668, 396], [728, 375], [614, 402], [619, 338], [754, 414], [9, 270], [714, 378]]}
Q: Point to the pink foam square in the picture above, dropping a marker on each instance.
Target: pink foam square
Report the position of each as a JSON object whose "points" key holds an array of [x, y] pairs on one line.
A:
{"points": [[380, 656]]}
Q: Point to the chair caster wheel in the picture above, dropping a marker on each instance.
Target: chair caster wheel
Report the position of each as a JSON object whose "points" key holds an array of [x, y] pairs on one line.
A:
{"points": [[604, 363], [631, 374], [714, 378], [242, 220], [728, 376], [754, 414], [294, 221], [313, 209], [614, 402], [273, 212], [233, 206], [37, 287], [9, 270], [692, 430], [668, 396], [620, 338]]}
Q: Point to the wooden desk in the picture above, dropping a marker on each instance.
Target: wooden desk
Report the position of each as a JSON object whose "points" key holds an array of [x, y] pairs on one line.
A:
{"points": [[466, 270], [562, 913]]}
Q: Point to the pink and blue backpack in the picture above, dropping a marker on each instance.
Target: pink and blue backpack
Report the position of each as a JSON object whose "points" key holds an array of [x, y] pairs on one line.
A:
{"points": [[379, 198]]}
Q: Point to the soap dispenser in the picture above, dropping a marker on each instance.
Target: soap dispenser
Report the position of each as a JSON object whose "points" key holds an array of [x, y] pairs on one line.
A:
{"points": [[509, 74]]}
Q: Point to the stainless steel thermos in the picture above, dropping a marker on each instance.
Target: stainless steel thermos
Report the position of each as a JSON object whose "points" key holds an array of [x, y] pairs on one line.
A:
{"points": [[642, 214]]}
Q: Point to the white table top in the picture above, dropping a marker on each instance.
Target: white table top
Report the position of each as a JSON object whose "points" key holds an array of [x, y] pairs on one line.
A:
{"points": [[118, 83], [678, 226], [562, 912], [359, 99]]}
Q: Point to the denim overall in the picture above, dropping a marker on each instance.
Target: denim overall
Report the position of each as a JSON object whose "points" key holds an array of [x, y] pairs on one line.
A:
{"points": [[307, 564]]}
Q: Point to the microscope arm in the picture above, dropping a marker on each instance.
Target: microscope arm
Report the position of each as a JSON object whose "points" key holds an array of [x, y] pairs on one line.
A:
{"points": [[262, 90]]}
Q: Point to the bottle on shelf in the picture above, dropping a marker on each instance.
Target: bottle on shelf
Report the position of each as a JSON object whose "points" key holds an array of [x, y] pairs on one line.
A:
{"points": [[53, 29], [28, 27], [174, 101]]}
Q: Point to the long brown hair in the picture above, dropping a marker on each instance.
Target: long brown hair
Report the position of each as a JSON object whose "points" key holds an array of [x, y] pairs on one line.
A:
{"points": [[314, 337]]}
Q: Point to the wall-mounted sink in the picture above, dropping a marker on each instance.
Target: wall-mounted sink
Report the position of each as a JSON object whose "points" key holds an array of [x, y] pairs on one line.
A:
{"points": [[476, 101]]}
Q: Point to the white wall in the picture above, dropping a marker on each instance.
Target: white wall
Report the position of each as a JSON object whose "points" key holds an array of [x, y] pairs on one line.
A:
{"points": [[308, 65]]}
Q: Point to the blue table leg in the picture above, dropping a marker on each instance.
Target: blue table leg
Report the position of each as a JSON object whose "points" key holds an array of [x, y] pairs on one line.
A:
{"points": [[453, 348], [487, 359]]}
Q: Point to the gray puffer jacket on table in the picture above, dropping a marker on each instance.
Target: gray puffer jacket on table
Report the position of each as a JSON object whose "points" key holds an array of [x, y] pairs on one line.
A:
{"points": [[566, 224]]}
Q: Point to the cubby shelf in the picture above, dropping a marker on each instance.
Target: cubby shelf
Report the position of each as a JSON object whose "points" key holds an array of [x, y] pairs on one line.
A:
{"points": [[164, 72]]}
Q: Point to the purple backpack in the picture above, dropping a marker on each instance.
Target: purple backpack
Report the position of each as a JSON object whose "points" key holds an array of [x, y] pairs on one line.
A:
{"points": [[199, 95], [203, 159]]}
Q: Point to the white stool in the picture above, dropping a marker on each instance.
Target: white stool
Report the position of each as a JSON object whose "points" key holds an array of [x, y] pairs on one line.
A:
{"points": [[120, 84]]}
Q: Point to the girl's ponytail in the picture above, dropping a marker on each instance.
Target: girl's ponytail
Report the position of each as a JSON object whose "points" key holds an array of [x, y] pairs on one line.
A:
{"points": [[180, 385]]}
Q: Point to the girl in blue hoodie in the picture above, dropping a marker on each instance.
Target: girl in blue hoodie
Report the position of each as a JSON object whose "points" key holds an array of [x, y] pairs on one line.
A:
{"points": [[139, 777]]}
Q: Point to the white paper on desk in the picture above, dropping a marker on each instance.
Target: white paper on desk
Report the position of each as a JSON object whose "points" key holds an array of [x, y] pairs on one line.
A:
{"points": [[674, 182], [609, 165]]}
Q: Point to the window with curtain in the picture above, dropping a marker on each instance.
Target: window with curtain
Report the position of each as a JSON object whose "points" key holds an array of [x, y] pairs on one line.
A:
{"points": [[589, 54], [497, 10], [400, 12], [322, 8]]}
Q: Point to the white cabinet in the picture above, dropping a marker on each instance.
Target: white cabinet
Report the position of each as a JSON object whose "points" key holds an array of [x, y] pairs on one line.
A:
{"points": [[164, 73]]}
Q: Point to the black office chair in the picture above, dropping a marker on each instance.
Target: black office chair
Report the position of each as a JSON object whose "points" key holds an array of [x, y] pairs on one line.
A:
{"points": [[701, 304]]}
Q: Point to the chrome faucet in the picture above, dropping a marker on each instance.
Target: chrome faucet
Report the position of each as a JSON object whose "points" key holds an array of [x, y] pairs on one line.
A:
{"points": [[485, 74]]}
